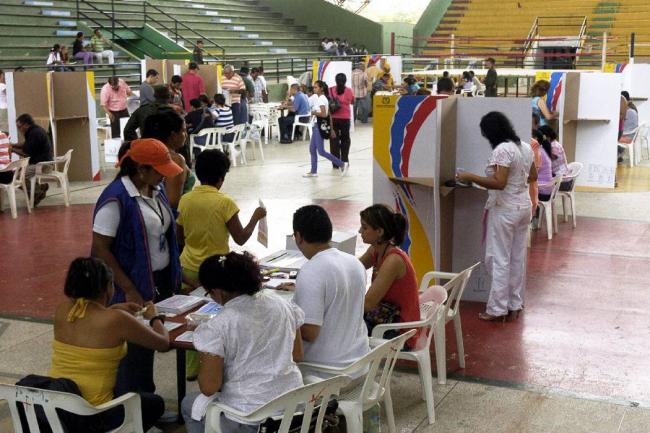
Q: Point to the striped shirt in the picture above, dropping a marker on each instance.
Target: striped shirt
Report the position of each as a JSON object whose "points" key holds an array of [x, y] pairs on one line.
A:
{"points": [[5, 157], [359, 83], [233, 85], [224, 119]]}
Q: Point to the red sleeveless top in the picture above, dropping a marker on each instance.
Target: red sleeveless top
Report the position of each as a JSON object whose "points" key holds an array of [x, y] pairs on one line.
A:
{"points": [[403, 292]]}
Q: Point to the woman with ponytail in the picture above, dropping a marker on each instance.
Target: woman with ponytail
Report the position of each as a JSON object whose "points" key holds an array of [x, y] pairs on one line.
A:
{"points": [[90, 339], [544, 171], [340, 142], [322, 128], [393, 294]]}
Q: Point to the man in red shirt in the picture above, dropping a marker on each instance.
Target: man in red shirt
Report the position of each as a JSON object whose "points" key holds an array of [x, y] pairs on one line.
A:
{"points": [[193, 85], [113, 99]]}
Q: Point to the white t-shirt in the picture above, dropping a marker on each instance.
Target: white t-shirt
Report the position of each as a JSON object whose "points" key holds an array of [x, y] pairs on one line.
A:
{"points": [[518, 158], [3, 96], [315, 102], [107, 221], [330, 289], [254, 335]]}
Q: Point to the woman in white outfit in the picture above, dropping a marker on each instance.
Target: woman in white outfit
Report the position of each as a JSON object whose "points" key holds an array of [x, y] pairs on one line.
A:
{"points": [[509, 171]]}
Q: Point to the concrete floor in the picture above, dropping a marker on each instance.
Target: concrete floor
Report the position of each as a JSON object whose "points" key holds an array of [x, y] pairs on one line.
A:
{"points": [[461, 406]]}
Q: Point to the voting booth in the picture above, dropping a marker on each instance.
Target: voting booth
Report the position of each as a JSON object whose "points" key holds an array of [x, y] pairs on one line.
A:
{"points": [[418, 143], [64, 103], [589, 121]]}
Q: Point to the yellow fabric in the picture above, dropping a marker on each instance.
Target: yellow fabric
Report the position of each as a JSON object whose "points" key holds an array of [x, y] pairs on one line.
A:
{"points": [[78, 310], [93, 370], [203, 213]]}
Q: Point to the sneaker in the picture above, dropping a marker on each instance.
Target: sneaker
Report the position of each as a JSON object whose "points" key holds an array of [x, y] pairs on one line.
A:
{"points": [[310, 174], [345, 168]]}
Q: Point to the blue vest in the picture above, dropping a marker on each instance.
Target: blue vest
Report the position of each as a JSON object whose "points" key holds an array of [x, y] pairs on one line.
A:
{"points": [[131, 247]]}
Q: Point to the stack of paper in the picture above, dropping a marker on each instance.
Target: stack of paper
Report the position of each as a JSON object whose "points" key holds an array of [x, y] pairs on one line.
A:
{"points": [[179, 304], [284, 260]]}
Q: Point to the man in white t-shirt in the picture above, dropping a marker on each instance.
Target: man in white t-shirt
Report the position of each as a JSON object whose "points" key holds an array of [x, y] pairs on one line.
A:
{"points": [[330, 289]]}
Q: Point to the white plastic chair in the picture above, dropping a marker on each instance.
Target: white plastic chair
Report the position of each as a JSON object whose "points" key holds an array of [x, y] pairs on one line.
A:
{"points": [[630, 147], [61, 177], [431, 302], [262, 119], [378, 364], [450, 311], [303, 400], [306, 125], [233, 150], [254, 137], [50, 401], [548, 210], [18, 181], [212, 140], [574, 171]]}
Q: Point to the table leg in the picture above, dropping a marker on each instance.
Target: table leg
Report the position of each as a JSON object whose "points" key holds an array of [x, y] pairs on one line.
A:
{"points": [[180, 380]]}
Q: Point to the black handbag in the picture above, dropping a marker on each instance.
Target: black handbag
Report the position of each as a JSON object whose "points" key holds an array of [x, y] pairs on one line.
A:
{"points": [[324, 127], [334, 104]]}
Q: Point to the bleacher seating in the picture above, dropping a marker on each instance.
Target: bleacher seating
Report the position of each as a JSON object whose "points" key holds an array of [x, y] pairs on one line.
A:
{"points": [[500, 26], [246, 30]]}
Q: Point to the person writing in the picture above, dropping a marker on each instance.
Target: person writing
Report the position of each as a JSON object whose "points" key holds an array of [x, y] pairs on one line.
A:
{"points": [[393, 294], [248, 350], [134, 232], [508, 209], [90, 339]]}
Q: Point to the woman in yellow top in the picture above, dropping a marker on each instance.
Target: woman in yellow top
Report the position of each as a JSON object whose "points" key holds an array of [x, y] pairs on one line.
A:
{"points": [[206, 220], [90, 338]]}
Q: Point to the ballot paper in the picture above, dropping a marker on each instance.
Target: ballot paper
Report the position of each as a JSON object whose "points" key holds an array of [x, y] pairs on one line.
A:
{"points": [[179, 304], [186, 337], [170, 326], [284, 260], [263, 230]]}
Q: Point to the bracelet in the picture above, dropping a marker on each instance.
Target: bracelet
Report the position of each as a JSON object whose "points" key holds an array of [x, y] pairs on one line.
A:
{"points": [[159, 317]]}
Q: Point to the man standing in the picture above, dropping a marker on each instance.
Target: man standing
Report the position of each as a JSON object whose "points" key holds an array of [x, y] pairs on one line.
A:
{"points": [[37, 147], [162, 99], [259, 95], [299, 106], [330, 289], [193, 85], [146, 88], [97, 42], [233, 88], [113, 100], [490, 78], [360, 90], [175, 87], [197, 54], [250, 91]]}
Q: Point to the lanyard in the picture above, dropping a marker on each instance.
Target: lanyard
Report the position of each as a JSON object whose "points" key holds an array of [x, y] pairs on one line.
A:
{"points": [[161, 217]]}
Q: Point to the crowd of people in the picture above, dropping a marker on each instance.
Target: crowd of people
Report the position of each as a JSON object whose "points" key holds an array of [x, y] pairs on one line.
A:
{"points": [[341, 47], [88, 52]]}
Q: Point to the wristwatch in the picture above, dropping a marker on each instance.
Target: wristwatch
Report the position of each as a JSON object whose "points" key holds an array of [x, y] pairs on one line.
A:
{"points": [[160, 317]]}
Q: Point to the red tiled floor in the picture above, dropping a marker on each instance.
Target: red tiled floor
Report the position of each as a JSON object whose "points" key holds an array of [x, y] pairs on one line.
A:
{"points": [[585, 328]]}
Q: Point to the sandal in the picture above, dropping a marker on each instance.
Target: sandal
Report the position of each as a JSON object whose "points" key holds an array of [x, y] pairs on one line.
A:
{"points": [[490, 318]]}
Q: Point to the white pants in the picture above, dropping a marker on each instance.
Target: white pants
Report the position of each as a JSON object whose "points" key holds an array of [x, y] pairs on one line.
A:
{"points": [[505, 258], [108, 54]]}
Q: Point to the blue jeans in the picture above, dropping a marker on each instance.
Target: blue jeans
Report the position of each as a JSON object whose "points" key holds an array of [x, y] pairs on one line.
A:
{"points": [[236, 113], [361, 109], [316, 147]]}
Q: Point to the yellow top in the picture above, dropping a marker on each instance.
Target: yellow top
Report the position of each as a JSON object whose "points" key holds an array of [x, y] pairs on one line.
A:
{"points": [[203, 213], [93, 370]]}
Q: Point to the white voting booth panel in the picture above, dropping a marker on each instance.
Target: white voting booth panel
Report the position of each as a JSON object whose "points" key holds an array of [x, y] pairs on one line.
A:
{"points": [[346, 242], [326, 70], [636, 80], [589, 122], [472, 153]]}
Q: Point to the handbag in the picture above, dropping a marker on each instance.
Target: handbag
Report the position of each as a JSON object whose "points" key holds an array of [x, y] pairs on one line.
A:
{"points": [[384, 312], [334, 104], [330, 420], [324, 127]]}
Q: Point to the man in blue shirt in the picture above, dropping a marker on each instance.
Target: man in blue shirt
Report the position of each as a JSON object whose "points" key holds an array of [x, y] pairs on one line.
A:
{"points": [[299, 107]]}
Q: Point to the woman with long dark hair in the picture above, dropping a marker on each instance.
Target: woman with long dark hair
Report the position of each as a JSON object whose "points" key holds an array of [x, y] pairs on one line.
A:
{"points": [[320, 130], [393, 294], [544, 172], [340, 142], [509, 171]]}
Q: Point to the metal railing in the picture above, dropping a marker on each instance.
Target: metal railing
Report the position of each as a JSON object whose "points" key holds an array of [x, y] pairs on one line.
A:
{"points": [[85, 6]]}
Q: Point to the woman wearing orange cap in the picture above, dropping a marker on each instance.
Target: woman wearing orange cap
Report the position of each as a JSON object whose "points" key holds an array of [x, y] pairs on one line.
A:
{"points": [[134, 232]]}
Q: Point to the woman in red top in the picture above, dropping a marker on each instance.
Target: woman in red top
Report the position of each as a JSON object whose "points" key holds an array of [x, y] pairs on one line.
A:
{"points": [[393, 294], [340, 138]]}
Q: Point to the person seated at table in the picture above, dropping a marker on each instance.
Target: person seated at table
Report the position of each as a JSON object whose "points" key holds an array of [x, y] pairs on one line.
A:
{"points": [[90, 339], [393, 294], [224, 116], [197, 119], [330, 289], [249, 350], [298, 106]]}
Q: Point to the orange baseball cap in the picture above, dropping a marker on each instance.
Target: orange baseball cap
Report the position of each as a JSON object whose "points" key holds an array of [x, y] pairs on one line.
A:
{"points": [[150, 151]]}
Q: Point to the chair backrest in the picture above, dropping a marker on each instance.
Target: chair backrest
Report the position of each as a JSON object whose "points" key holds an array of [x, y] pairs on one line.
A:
{"points": [[304, 399], [18, 167], [557, 181], [381, 357], [575, 168], [432, 304], [454, 288], [212, 135], [50, 401], [65, 159]]}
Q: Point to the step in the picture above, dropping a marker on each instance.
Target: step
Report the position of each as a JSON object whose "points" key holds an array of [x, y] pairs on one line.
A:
{"points": [[236, 28], [64, 23], [249, 36], [221, 20], [264, 43], [278, 51], [62, 33], [209, 13], [55, 13], [37, 3]]}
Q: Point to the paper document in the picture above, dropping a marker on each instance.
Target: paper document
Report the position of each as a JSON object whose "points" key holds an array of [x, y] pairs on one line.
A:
{"points": [[186, 337], [263, 230], [284, 260], [177, 69]]}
